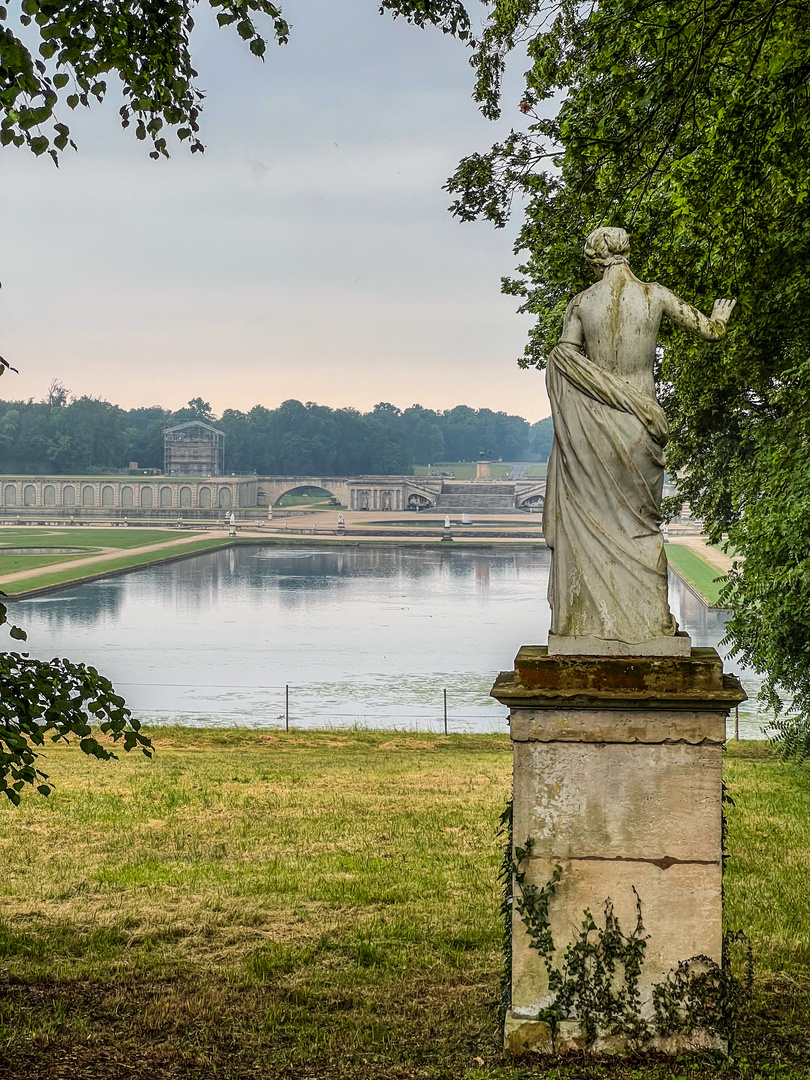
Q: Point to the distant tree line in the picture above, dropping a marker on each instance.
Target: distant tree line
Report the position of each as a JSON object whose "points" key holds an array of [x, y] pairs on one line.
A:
{"points": [[85, 435]]}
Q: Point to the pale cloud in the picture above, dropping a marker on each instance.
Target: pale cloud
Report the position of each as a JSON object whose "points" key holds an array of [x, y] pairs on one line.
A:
{"points": [[307, 254]]}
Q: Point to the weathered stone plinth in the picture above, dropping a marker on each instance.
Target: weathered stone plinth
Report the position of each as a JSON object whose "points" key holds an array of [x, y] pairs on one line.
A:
{"points": [[678, 645], [618, 780]]}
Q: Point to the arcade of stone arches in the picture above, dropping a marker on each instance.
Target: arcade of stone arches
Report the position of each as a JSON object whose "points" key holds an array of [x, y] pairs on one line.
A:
{"points": [[115, 495]]}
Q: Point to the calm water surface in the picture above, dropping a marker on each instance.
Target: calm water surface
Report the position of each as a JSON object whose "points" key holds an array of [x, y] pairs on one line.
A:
{"points": [[369, 636]]}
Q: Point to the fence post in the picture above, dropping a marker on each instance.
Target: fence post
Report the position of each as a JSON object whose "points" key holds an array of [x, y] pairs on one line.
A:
{"points": [[737, 722], [445, 712], [287, 708]]}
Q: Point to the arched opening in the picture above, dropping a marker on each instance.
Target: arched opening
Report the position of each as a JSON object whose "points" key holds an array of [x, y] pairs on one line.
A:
{"points": [[69, 496], [386, 500], [534, 503], [307, 495], [126, 496], [147, 497], [185, 497], [363, 500], [88, 496], [165, 497], [29, 495], [224, 498], [10, 495], [418, 502], [49, 495], [107, 495], [205, 497]]}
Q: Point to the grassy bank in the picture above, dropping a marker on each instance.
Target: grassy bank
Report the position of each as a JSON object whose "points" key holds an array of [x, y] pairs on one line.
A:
{"points": [[698, 573], [88, 564], [86, 536], [79, 571], [324, 905], [91, 571], [91, 542], [462, 470]]}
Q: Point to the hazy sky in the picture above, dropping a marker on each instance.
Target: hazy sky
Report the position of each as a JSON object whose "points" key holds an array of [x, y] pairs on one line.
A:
{"points": [[307, 254]]}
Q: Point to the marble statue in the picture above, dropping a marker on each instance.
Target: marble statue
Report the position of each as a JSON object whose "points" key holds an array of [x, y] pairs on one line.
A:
{"points": [[602, 515]]}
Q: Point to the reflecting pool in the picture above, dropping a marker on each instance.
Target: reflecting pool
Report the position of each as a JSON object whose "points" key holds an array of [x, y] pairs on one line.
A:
{"points": [[370, 635]]}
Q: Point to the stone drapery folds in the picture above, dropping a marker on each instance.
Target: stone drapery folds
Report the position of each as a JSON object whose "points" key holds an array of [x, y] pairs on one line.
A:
{"points": [[602, 511]]}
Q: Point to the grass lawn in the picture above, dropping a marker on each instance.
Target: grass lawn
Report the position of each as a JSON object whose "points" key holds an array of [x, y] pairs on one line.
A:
{"points": [[700, 574], [13, 564], [538, 469], [316, 498], [313, 905], [462, 470], [93, 540], [86, 536], [78, 573]]}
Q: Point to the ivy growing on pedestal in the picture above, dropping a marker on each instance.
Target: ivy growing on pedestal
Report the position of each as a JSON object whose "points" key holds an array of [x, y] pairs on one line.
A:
{"points": [[596, 979]]}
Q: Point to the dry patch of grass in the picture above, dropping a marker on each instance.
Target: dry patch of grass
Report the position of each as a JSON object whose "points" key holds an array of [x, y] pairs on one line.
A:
{"points": [[320, 905]]}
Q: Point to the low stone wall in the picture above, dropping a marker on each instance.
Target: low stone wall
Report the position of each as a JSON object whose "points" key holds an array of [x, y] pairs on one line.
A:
{"points": [[77, 495]]}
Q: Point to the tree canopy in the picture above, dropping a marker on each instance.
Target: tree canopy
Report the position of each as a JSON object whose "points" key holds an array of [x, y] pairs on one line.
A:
{"points": [[82, 435], [54, 53], [688, 123]]}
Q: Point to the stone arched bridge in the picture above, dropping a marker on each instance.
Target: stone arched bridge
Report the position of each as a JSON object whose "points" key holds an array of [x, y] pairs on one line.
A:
{"points": [[208, 497], [410, 492]]}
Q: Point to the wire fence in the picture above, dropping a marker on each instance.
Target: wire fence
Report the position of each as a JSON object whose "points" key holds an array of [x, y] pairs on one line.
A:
{"points": [[285, 705]]}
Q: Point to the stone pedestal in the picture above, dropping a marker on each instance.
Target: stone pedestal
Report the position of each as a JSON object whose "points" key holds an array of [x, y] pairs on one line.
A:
{"points": [[618, 782]]}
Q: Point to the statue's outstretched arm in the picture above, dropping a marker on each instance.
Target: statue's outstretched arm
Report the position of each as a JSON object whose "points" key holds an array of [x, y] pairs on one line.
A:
{"points": [[683, 314]]}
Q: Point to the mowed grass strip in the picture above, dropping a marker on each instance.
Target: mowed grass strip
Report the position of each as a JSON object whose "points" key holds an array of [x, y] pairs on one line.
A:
{"points": [[462, 470], [13, 564], [125, 562], [701, 575], [87, 536], [257, 904]]}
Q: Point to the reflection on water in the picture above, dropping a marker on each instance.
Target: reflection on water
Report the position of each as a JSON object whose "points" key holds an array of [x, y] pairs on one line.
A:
{"points": [[369, 635]]}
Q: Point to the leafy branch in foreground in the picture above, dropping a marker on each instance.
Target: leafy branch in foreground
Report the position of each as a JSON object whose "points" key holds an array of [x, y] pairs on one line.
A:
{"points": [[51, 701], [64, 52]]}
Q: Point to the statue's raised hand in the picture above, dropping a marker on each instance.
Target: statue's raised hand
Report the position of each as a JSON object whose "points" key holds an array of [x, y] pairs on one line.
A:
{"points": [[722, 310]]}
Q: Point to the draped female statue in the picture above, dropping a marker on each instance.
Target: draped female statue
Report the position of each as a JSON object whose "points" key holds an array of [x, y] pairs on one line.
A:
{"points": [[606, 469]]}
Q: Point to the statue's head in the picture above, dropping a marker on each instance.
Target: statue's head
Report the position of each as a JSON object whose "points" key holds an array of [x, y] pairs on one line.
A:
{"points": [[605, 247]]}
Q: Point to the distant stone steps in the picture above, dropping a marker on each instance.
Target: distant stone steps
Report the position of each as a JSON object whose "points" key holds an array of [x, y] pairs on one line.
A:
{"points": [[478, 498], [494, 502], [479, 488]]}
